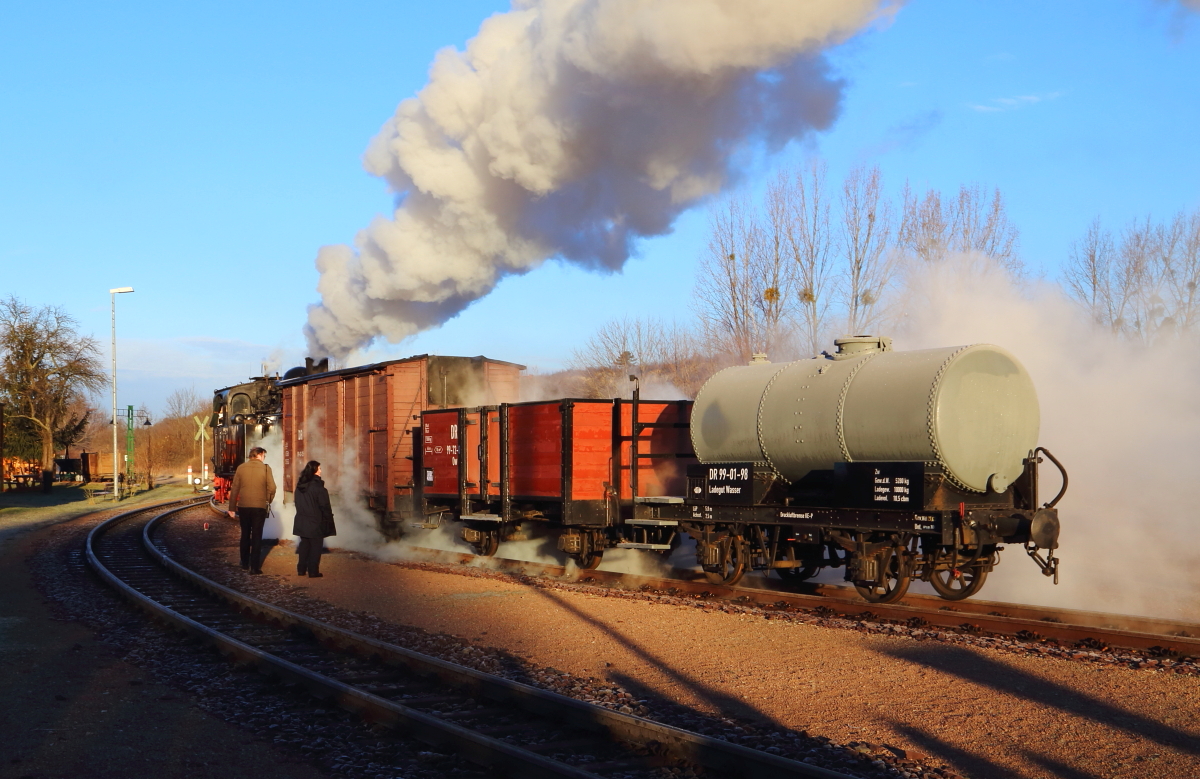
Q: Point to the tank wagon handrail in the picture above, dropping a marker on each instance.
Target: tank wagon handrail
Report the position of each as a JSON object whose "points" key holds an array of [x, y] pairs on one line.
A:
{"points": [[1061, 470]]}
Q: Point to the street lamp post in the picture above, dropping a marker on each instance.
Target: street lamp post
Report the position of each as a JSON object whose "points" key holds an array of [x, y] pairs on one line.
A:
{"points": [[116, 479], [2, 474], [149, 454]]}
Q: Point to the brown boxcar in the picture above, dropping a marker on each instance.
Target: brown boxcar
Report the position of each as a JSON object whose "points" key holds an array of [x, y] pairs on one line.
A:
{"points": [[359, 422]]}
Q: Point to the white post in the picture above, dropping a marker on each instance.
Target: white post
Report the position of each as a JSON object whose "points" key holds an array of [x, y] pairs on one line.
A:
{"points": [[116, 491], [116, 480]]}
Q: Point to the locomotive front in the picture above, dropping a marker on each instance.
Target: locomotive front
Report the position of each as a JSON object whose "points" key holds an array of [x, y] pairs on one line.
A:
{"points": [[242, 417]]}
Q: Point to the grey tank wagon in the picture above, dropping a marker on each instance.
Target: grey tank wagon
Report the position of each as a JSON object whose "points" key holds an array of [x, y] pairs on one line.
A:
{"points": [[893, 465]]}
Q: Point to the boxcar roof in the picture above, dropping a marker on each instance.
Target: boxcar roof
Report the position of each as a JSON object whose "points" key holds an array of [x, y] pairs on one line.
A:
{"points": [[384, 364]]}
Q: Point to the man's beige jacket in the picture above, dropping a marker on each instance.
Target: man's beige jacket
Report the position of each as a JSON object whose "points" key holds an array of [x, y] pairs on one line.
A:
{"points": [[253, 486]]}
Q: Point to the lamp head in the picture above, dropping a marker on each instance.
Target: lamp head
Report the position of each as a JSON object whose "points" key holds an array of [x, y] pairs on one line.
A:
{"points": [[120, 289]]}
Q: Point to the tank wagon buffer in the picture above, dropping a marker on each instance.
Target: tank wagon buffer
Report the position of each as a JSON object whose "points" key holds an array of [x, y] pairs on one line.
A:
{"points": [[894, 465]]}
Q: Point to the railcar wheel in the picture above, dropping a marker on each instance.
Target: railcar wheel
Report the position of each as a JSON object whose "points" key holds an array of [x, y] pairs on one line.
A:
{"points": [[590, 560], [487, 546], [959, 583], [733, 562], [893, 579]]}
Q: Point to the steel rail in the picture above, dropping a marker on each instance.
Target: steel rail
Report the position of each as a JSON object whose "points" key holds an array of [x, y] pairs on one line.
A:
{"points": [[1126, 631], [1011, 619], [651, 737]]}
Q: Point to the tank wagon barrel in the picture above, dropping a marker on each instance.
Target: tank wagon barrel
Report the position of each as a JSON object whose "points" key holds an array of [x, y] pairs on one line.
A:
{"points": [[891, 465], [970, 411]]}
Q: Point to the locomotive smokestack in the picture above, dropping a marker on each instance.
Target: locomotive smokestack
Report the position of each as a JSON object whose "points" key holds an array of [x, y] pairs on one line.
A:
{"points": [[569, 128]]}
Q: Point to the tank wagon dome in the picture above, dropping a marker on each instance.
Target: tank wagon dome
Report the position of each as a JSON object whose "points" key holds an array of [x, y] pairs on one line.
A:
{"points": [[970, 410]]}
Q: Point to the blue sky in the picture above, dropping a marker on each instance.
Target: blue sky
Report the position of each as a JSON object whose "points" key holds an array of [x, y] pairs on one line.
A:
{"points": [[202, 154]]}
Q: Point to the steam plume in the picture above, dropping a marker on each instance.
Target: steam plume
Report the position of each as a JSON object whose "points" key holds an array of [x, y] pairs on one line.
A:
{"points": [[568, 128], [1123, 419]]}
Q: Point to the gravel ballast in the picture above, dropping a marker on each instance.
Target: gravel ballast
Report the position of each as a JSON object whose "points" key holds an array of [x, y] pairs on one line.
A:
{"points": [[852, 695], [247, 724]]}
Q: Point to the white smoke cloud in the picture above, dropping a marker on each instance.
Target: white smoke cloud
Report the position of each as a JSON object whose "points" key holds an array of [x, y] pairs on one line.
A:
{"points": [[568, 128], [1123, 419]]}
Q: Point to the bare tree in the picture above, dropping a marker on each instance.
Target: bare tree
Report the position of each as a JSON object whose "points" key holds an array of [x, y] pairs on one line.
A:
{"points": [[184, 402], [611, 354], [682, 361], [742, 284], [932, 228], [657, 352], [980, 224], [1180, 248], [47, 368], [1088, 273], [866, 235], [800, 198], [1144, 285], [924, 231], [1138, 305]]}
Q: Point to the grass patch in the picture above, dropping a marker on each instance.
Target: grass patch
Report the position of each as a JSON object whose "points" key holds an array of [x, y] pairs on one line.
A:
{"points": [[27, 509]]}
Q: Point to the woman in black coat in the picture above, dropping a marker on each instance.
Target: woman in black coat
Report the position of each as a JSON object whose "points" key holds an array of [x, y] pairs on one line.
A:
{"points": [[314, 519]]}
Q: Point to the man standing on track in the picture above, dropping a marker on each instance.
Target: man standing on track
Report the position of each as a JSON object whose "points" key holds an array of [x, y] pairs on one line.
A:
{"points": [[250, 495]]}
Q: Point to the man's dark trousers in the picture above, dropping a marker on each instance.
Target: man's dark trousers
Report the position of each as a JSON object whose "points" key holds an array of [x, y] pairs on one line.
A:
{"points": [[252, 521]]}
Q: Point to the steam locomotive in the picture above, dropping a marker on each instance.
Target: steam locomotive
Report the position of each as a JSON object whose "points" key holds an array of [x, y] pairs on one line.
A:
{"points": [[893, 466]]}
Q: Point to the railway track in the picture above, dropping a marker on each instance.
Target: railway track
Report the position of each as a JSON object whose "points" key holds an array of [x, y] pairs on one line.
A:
{"points": [[501, 725], [1086, 628]]}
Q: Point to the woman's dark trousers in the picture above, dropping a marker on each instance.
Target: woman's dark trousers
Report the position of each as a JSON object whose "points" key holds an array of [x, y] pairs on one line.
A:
{"points": [[309, 553]]}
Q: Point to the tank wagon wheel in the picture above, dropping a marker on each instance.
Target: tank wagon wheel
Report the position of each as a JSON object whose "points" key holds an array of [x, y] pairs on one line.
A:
{"points": [[959, 583], [733, 562], [895, 577]]}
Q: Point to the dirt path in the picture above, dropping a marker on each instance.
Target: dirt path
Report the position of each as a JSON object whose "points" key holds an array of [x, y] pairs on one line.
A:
{"points": [[71, 708], [986, 713]]}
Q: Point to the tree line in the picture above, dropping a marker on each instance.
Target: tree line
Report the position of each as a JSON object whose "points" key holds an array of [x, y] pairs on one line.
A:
{"points": [[813, 259], [49, 375], [1141, 282], [783, 275]]}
